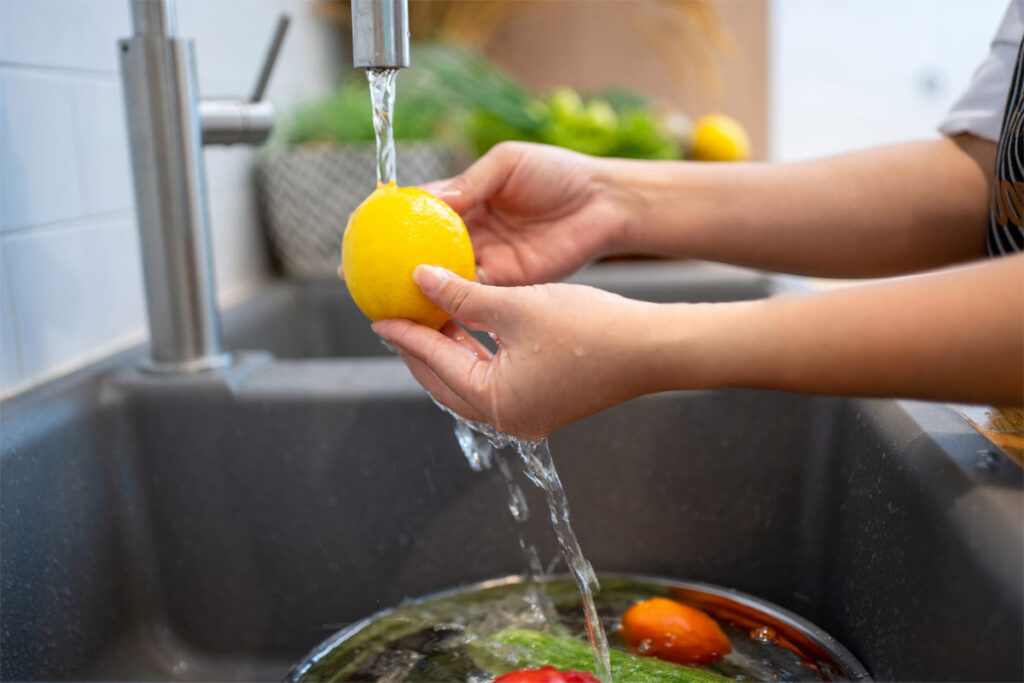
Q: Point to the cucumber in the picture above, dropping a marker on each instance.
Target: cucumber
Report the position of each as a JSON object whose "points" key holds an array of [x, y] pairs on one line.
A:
{"points": [[523, 648]]}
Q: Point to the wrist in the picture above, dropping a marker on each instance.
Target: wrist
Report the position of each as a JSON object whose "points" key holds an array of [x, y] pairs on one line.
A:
{"points": [[703, 346], [618, 182]]}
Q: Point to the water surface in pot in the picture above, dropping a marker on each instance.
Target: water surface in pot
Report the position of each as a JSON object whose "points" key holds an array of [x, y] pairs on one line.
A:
{"points": [[470, 634]]}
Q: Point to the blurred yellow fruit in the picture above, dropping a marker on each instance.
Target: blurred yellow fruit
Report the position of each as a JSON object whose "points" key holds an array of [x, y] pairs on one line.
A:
{"points": [[717, 137], [394, 230]]}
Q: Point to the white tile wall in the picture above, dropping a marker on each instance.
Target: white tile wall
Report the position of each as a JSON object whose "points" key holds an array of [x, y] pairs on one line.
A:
{"points": [[39, 175], [10, 364], [104, 163], [76, 290], [70, 281], [240, 256], [79, 35]]}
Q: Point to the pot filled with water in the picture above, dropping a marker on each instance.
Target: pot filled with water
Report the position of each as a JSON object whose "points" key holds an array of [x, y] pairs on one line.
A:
{"points": [[480, 632]]}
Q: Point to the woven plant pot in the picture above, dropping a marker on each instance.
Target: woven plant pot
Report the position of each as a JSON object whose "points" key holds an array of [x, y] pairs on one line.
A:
{"points": [[307, 193]]}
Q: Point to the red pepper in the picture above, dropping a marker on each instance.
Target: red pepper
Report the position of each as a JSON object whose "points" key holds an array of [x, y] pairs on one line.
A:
{"points": [[547, 674]]}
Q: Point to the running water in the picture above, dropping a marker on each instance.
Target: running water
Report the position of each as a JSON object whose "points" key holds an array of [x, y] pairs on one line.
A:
{"points": [[382, 96], [536, 456], [540, 469]]}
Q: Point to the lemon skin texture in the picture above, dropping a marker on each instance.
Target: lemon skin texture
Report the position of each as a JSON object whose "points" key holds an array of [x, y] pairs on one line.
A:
{"points": [[394, 230]]}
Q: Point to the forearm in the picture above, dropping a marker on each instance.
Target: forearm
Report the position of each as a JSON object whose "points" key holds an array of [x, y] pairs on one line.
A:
{"points": [[879, 212], [956, 335]]}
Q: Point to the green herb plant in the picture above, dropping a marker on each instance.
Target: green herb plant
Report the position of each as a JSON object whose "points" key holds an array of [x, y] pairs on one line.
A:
{"points": [[457, 95]]}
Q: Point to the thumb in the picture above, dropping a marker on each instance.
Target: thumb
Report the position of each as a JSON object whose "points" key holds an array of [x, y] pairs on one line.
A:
{"points": [[478, 183], [465, 301]]}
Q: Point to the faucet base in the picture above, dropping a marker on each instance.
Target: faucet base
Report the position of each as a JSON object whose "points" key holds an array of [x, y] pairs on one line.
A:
{"points": [[215, 362]]}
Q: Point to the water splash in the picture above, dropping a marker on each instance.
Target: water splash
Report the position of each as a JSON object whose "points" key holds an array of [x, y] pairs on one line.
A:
{"points": [[382, 96], [539, 468]]}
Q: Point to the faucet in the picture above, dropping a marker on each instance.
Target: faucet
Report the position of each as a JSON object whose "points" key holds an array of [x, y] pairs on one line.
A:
{"points": [[380, 34], [167, 127]]}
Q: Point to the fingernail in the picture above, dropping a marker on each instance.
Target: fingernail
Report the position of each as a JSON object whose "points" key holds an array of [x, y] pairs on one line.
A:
{"points": [[431, 279], [446, 191], [481, 276], [449, 196], [440, 189]]}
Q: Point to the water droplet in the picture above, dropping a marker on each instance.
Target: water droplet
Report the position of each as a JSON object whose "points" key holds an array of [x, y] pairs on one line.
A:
{"points": [[477, 450], [985, 460], [578, 351], [645, 646], [764, 634], [517, 504]]}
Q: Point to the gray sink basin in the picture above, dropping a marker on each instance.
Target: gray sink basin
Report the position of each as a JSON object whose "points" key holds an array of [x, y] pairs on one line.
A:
{"points": [[219, 526]]}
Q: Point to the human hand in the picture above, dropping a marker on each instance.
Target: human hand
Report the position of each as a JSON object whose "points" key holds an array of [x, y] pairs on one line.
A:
{"points": [[564, 351], [535, 213]]}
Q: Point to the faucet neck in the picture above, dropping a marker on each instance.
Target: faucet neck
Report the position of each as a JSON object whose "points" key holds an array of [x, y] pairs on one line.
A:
{"points": [[154, 18]]}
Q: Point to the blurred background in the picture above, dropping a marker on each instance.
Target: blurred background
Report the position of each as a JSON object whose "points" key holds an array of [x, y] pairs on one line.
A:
{"points": [[801, 78]]}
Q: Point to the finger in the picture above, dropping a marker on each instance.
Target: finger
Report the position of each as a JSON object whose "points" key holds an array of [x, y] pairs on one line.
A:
{"points": [[465, 301], [436, 187], [481, 180], [458, 334], [438, 390], [454, 365], [341, 272]]}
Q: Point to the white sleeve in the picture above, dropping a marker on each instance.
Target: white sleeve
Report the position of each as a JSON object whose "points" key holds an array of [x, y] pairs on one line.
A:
{"points": [[980, 109]]}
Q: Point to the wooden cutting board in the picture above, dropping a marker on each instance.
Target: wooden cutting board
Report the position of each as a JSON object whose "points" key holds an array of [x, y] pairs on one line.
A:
{"points": [[1002, 426]]}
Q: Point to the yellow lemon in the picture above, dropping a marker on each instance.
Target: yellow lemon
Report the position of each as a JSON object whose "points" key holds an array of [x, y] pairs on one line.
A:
{"points": [[717, 137], [394, 230]]}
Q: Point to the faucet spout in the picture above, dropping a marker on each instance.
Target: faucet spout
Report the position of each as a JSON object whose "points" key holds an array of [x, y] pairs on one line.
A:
{"points": [[380, 34]]}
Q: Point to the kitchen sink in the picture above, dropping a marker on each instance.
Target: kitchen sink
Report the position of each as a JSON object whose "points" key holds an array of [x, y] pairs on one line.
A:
{"points": [[218, 526]]}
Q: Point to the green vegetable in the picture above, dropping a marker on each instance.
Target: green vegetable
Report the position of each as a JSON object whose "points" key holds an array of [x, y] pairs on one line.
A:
{"points": [[485, 130], [451, 90], [522, 648], [470, 81], [624, 100], [641, 136]]}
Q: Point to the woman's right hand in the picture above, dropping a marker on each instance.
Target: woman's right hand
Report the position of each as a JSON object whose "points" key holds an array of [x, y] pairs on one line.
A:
{"points": [[535, 213]]}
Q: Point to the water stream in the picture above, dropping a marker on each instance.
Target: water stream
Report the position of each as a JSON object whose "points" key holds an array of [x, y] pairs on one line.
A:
{"points": [[382, 97], [538, 465], [539, 468]]}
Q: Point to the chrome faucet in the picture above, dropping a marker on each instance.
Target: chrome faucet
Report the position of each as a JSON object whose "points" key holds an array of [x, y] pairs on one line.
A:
{"points": [[167, 127], [380, 34]]}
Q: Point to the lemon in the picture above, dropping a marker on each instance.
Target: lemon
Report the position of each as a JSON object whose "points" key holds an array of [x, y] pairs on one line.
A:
{"points": [[394, 230], [717, 137]]}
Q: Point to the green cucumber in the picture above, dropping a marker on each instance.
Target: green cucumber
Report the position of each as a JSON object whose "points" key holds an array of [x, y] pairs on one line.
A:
{"points": [[523, 648]]}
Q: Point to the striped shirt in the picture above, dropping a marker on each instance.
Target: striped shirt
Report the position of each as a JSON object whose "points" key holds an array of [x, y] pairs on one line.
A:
{"points": [[992, 108], [1006, 208]]}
